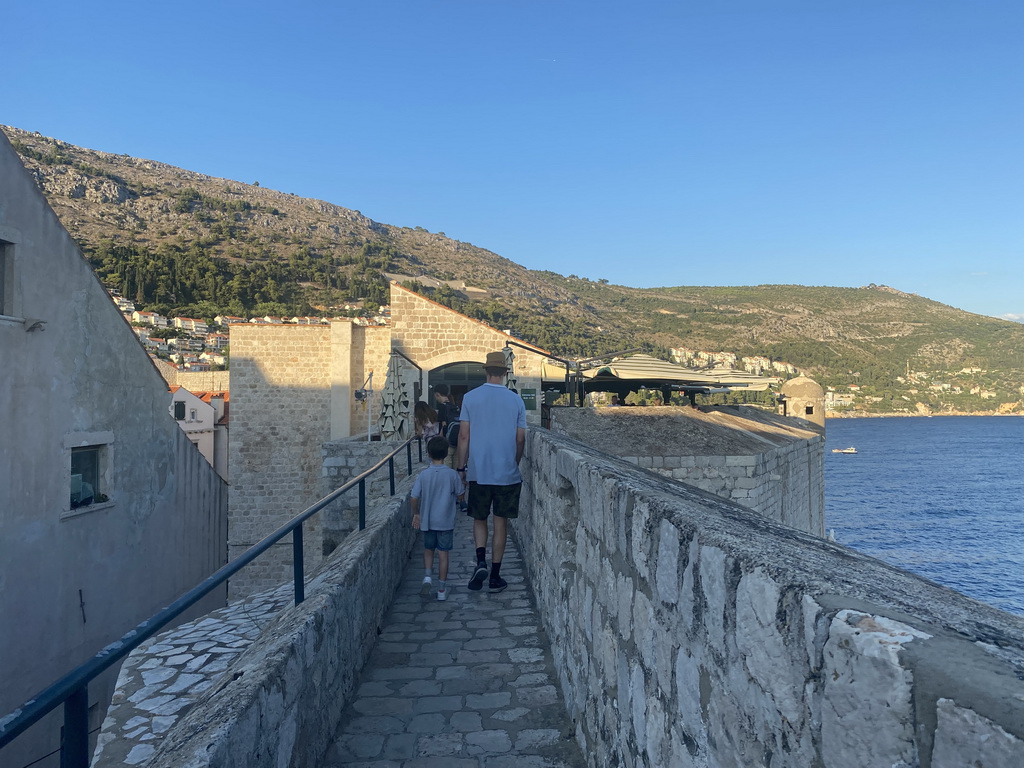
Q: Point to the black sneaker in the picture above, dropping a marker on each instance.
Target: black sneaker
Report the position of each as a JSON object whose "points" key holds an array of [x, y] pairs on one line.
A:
{"points": [[497, 584], [479, 575]]}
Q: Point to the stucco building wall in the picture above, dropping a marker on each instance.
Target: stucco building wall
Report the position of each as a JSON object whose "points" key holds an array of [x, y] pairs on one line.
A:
{"points": [[74, 580]]}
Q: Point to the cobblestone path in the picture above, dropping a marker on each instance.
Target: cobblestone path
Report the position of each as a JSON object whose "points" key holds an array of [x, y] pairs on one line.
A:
{"points": [[465, 683]]}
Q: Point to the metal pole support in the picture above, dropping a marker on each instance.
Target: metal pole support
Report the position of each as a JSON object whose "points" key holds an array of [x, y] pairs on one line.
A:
{"points": [[297, 564], [362, 504], [74, 751]]}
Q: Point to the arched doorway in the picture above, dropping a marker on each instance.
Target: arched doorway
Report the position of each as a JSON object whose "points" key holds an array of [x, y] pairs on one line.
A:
{"points": [[460, 378]]}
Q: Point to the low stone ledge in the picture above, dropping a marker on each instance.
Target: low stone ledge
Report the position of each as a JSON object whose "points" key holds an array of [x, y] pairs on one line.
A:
{"points": [[298, 674]]}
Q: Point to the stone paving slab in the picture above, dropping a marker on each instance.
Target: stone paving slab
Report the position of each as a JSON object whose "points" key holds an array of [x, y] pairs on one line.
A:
{"points": [[161, 680], [465, 683]]}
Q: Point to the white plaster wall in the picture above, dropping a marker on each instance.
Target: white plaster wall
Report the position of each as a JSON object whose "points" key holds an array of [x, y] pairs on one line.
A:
{"points": [[71, 584]]}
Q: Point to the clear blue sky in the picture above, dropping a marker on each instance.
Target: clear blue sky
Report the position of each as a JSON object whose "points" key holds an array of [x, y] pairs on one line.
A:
{"points": [[661, 142]]}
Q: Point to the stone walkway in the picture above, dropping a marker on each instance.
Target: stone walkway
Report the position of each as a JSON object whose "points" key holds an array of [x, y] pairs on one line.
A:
{"points": [[465, 683]]}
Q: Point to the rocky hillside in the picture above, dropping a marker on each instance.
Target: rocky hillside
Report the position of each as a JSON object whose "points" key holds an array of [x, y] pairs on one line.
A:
{"points": [[177, 240]]}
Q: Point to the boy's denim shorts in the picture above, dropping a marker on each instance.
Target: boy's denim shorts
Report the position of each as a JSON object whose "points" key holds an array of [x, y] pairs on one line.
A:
{"points": [[441, 540]]}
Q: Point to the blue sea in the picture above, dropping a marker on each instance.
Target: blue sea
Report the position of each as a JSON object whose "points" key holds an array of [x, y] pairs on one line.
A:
{"points": [[942, 497]]}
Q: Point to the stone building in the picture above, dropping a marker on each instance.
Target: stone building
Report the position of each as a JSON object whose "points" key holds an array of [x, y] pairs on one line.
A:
{"points": [[297, 388], [107, 511], [805, 399]]}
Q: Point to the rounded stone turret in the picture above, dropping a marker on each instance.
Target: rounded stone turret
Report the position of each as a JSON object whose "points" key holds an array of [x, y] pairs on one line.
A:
{"points": [[804, 398]]}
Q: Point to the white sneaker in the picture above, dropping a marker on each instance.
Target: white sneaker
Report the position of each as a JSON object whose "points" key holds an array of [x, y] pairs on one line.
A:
{"points": [[428, 585], [442, 594]]}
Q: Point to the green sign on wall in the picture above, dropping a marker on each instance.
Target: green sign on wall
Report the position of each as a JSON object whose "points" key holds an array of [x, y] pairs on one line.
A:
{"points": [[529, 398]]}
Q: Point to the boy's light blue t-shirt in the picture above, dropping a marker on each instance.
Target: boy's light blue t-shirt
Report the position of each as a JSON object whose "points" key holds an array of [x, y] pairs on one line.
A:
{"points": [[494, 414], [438, 488]]}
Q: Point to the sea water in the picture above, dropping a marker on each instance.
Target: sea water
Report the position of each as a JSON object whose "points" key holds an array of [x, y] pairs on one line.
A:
{"points": [[942, 497]]}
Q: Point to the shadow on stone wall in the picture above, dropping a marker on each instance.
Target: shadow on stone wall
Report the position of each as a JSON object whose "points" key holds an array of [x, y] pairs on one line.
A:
{"points": [[688, 630]]}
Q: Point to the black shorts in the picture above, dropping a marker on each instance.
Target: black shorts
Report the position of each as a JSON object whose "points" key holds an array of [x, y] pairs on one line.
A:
{"points": [[503, 498]]}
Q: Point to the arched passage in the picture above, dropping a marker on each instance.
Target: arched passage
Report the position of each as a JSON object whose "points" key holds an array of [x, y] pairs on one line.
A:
{"points": [[460, 378]]}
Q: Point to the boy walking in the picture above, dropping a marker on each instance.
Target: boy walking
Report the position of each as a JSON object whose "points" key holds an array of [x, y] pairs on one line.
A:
{"points": [[434, 499]]}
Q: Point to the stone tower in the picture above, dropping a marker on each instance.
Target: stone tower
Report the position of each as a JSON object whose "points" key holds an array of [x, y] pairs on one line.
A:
{"points": [[804, 398]]}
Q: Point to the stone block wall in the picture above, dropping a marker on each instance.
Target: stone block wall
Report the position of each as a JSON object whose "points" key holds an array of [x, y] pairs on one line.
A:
{"points": [[781, 483], [280, 418], [689, 631], [342, 461], [434, 336], [194, 381], [768, 463]]}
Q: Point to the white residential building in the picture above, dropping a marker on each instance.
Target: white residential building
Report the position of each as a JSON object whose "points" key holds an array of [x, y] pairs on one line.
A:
{"points": [[150, 318], [191, 324]]}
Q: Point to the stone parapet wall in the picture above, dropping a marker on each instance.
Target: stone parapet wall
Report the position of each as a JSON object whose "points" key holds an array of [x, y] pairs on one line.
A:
{"points": [[687, 630], [280, 416], [279, 702], [195, 381], [778, 483], [767, 463], [346, 459]]}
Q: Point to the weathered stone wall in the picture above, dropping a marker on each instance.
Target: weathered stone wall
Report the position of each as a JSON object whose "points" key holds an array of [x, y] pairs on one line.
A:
{"points": [[434, 336], [195, 381], [280, 418], [688, 631], [342, 461], [766, 462], [234, 690]]}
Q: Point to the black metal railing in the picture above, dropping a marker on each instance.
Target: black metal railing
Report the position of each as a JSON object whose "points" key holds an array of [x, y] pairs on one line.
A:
{"points": [[72, 689]]}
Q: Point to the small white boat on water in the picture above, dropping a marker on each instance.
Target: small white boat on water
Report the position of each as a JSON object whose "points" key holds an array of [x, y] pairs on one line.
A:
{"points": [[851, 449]]}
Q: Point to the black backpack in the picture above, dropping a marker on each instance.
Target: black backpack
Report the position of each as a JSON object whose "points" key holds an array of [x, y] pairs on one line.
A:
{"points": [[449, 414]]}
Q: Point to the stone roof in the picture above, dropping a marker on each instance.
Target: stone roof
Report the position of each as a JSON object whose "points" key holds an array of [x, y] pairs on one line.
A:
{"points": [[803, 387]]}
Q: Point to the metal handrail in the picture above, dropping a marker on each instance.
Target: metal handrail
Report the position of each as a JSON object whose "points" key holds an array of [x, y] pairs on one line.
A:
{"points": [[72, 688]]}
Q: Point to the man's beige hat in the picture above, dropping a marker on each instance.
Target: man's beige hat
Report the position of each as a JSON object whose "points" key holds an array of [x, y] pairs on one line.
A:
{"points": [[496, 360]]}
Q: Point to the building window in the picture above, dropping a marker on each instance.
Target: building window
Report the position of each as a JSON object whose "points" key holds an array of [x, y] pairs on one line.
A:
{"points": [[7, 279], [179, 410], [192, 414], [86, 476], [809, 410]]}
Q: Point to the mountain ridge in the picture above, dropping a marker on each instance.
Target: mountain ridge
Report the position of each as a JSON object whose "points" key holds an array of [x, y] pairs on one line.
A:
{"points": [[179, 239]]}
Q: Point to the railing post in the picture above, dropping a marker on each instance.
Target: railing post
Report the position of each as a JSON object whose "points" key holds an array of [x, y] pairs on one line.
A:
{"points": [[298, 565], [74, 752], [408, 455], [391, 474], [362, 504]]}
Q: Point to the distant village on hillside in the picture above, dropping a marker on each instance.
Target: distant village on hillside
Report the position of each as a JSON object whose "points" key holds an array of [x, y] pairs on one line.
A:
{"points": [[195, 346]]}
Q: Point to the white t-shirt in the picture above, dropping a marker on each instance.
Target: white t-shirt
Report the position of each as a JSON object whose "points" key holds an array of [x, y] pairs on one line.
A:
{"points": [[494, 413]]}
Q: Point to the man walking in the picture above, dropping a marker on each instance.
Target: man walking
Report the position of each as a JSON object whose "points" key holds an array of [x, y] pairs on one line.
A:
{"points": [[492, 436]]}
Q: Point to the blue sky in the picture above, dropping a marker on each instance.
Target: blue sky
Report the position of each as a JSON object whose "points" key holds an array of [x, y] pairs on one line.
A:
{"points": [[685, 142]]}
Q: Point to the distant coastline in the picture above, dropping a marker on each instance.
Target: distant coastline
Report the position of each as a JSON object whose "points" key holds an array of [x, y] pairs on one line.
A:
{"points": [[865, 415]]}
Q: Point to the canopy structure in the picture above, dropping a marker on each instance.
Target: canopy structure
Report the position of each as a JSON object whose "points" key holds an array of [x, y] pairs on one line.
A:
{"points": [[644, 371]]}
